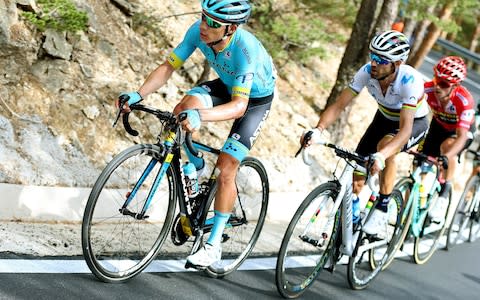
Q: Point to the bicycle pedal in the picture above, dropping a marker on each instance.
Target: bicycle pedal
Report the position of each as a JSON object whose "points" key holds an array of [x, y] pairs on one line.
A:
{"points": [[225, 237], [330, 269], [189, 265]]}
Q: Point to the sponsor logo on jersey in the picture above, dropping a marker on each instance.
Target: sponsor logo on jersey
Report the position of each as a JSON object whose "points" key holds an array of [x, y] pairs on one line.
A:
{"points": [[236, 136], [407, 79], [245, 77]]}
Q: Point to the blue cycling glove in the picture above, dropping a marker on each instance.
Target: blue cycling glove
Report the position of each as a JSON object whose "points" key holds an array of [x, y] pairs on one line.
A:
{"points": [[193, 117], [133, 97]]}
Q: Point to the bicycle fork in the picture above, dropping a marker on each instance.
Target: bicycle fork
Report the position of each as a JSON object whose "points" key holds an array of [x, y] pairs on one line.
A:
{"points": [[151, 165]]}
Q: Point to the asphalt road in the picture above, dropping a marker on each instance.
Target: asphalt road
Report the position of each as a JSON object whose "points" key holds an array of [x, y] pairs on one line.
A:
{"points": [[451, 274]]}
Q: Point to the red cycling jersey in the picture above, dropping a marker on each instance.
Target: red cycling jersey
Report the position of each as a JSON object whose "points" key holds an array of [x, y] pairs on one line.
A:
{"points": [[459, 112]]}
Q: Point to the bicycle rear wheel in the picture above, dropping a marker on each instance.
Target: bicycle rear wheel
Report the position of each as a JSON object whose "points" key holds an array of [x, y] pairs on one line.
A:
{"points": [[461, 222], [373, 251], [247, 219], [474, 233], [402, 191], [117, 246], [426, 243], [308, 241]]}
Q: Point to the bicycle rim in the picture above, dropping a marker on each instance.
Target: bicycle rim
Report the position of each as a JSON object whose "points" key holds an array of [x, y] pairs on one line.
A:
{"points": [[461, 222], [426, 244], [401, 191], [117, 247], [475, 220], [308, 242], [370, 251], [247, 218]]}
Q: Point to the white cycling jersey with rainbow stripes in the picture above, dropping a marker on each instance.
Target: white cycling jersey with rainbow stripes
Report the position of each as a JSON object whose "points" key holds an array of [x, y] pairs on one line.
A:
{"points": [[406, 92]]}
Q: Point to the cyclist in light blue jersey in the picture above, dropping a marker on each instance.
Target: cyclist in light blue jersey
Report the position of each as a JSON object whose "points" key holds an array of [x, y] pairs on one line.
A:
{"points": [[243, 91]]}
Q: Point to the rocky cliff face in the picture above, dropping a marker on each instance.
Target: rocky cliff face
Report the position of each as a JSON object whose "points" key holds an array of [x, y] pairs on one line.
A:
{"points": [[57, 91]]}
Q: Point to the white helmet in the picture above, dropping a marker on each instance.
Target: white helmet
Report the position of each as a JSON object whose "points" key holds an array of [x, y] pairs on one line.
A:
{"points": [[391, 45]]}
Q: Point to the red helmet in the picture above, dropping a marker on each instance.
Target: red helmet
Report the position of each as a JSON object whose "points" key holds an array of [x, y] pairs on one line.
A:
{"points": [[451, 69]]}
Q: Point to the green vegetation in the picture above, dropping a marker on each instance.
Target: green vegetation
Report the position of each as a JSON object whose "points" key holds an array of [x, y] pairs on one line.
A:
{"points": [[288, 37], [60, 15]]}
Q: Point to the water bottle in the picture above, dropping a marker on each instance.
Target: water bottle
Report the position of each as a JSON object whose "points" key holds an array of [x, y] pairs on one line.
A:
{"points": [[426, 184], [191, 180], [423, 195], [355, 208]]}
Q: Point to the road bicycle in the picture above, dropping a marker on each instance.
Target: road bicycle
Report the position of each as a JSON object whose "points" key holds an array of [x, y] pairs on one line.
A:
{"points": [[420, 198], [322, 230], [467, 213], [131, 209]]}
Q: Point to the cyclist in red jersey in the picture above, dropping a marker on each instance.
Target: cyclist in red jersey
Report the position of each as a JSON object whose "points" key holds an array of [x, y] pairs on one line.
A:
{"points": [[453, 122]]}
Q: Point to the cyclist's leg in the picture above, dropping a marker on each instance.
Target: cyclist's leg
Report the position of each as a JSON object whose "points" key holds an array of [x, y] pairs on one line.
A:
{"points": [[387, 176], [241, 138]]}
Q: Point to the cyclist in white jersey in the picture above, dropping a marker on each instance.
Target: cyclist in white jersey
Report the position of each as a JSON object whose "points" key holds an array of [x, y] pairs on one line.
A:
{"points": [[243, 91], [399, 123]]}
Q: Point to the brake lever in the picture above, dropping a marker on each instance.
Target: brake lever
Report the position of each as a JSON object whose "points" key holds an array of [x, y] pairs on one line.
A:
{"points": [[122, 100], [306, 139]]}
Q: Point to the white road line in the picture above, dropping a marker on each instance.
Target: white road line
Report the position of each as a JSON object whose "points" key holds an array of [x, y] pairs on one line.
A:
{"points": [[62, 266]]}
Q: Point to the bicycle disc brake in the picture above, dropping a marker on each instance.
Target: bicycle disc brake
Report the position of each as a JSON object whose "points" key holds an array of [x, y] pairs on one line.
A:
{"points": [[177, 234]]}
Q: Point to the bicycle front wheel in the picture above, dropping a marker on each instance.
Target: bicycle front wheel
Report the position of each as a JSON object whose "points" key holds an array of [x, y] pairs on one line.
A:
{"points": [[247, 218], [426, 243], [116, 245], [371, 252], [308, 241], [461, 222], [402, 191]]}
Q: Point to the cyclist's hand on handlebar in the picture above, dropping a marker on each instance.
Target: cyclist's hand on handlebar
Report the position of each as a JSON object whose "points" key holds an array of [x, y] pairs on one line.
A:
{"points": [[443, 161], [310, 137], [377, 163], [127, 99], [192, 121]]}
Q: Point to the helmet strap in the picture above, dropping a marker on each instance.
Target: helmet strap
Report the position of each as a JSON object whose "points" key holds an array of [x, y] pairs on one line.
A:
{"points": [[226, 34], [385, 76]]}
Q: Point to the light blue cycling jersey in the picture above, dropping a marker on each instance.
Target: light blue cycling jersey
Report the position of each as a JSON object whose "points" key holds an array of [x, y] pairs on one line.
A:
{"points": [[244, 66]]}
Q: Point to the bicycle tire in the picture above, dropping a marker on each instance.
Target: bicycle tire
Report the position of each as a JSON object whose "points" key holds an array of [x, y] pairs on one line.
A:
{"points": [[247, 219], [462, 218], [425, 244], [474, 231], [300, 258], [117, 247], [359, 271], [403, 186]]}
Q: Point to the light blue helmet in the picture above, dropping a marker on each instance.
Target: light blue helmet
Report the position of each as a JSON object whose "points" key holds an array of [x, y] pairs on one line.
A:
{"points": [[228, 11]]}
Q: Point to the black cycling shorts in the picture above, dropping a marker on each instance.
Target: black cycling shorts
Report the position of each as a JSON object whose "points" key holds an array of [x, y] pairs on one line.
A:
{"points": [[437, 135], [245, 129], [381, 127]]}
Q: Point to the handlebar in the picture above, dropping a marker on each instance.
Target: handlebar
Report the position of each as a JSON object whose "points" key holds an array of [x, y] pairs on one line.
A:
{"points": [[363, 163], [163, 116]]}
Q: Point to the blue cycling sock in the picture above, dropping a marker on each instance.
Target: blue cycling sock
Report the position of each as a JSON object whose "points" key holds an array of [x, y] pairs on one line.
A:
{"points": [[219, 221], [382, 203]]}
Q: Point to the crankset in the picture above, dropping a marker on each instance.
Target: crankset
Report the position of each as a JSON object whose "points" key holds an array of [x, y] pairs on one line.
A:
{"points": [[177, 235]]}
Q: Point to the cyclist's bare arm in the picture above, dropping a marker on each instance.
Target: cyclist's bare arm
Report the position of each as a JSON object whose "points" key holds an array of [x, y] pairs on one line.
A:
{"points": [[407, 117], [333, 111], [459, 143], [232, 110], [156, 79]]}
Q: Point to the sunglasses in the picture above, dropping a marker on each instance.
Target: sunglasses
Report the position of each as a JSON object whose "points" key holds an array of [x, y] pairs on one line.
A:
{"points": [[441, 83], [211, 22], [378, 59]]}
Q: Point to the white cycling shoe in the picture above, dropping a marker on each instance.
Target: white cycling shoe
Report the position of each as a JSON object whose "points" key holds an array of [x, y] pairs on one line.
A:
{"points": [[439, 209], [206, 256], [377, 224]]}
